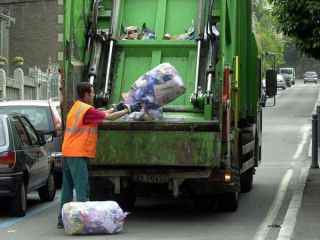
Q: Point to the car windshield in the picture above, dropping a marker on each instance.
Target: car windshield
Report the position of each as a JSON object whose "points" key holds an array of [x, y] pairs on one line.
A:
{"points": [[2, 133], [37, 115], [287, 71], [311, 74]]}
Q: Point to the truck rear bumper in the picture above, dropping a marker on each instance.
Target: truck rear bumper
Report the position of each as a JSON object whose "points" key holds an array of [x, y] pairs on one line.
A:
{"points": [[201, 181]]}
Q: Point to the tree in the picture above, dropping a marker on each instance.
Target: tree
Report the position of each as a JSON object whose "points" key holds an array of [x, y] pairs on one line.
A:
{"points": [[267, 38], [300, 20]]}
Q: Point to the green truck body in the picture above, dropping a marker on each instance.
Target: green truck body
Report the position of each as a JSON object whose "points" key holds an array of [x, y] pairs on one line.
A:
{"points": [[209, 141]]}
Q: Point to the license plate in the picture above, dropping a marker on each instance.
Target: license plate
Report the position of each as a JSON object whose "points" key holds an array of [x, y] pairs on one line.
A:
{"points": [[150, 178]]}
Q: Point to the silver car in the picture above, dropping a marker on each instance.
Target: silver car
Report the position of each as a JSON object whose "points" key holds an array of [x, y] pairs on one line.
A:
{"points": [[45, 115], [281, 83], [310, 77]]}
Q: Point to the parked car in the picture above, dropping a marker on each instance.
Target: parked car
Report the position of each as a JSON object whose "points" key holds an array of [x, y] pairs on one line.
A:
{"points": [[310, 77], [25, 162], [281, 82], [45, 115]]}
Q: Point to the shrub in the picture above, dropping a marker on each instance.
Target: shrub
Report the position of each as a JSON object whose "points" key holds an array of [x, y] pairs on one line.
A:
{"points": [[17, 59], [3, 59]]}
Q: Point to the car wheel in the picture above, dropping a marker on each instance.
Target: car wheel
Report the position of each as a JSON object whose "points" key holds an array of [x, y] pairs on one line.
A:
{"points": [[19, 202], [48, 191]]}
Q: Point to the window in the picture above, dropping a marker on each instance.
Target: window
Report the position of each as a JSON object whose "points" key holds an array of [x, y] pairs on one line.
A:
{"points": [[31, 132], [38, 115], [22, 132], [2, 133]]}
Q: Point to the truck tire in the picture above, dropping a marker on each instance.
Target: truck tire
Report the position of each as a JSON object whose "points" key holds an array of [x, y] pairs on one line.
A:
{"points": [[126, 199], [19, 202], [204, 202], [228, 202], [246, 180], [48, 191], [58, 179]]}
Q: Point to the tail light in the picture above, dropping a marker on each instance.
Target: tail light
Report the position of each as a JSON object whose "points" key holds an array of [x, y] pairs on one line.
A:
{"points": [[7, 159], [56, 120]]}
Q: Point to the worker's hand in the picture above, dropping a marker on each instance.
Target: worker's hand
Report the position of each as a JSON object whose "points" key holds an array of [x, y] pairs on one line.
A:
{"points": [[118, 107], [135, 107]]}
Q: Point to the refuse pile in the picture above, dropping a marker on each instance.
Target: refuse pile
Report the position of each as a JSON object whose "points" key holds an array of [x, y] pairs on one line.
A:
{"points": [[104, 217], [135, 33], [188, 35], [155, 89]]}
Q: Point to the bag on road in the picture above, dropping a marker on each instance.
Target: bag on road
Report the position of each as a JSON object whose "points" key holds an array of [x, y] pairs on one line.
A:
{"points": [[105, 217]]}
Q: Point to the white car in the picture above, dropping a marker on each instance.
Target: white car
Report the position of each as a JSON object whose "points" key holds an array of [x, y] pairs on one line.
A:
{"points": [[281, 83]]}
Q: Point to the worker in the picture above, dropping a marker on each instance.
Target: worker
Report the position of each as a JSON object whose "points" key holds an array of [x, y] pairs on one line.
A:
{"points": [[80, 140]]}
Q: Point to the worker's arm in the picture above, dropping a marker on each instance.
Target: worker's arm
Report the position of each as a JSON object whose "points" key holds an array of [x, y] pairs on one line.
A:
{"points": [[115, 115], [127, 108], [111, 110]]}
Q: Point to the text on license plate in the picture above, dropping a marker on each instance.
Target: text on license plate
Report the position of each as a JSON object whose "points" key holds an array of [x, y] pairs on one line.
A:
{"points": [[150, 178]]}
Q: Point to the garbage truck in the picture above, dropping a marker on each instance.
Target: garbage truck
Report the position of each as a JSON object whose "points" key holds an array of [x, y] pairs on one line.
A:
{"points": [[208, 143]]}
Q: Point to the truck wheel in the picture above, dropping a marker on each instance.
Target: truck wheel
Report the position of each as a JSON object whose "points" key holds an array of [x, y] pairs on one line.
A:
{"points": [[246, 180], [48, 191], [228, 202], [204, 202], [19, 202], [126, 199], [58, 179]]}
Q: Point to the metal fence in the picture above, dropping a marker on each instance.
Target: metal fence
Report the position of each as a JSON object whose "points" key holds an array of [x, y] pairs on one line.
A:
{"points": [[37, 85]]}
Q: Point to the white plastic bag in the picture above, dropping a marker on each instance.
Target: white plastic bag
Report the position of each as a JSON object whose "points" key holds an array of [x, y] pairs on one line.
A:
{"points": [[155, 89], [104, 217]]}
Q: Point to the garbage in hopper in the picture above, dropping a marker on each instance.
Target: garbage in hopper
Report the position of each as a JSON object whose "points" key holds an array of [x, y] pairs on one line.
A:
{"points": [[103, 217], [155, 89]]}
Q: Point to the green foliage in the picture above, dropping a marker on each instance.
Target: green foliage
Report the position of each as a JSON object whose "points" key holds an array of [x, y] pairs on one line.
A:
{"points": [[300, 19], [17, 59], [3, 59], [267, 37]]}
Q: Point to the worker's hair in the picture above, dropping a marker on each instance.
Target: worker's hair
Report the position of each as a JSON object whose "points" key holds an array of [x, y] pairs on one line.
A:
{"points": [[83, 88]]}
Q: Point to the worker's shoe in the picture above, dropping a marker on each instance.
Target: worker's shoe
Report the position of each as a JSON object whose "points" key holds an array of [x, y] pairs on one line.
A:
{"points": [[60, 226]]}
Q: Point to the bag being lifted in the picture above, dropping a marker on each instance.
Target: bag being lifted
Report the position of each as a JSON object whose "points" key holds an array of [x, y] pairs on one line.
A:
{"points": [[105, 217], [155, 89]]}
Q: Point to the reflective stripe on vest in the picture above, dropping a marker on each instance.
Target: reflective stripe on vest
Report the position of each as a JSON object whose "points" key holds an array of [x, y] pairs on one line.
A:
{"points": [[74, 126], [80, 140]]}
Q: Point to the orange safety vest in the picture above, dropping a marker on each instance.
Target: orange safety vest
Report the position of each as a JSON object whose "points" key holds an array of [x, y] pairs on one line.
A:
{"points": [[79, 140]]}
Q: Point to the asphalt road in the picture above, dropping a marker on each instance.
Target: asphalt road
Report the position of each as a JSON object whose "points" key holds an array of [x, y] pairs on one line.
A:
{"points": [[286, 137]]}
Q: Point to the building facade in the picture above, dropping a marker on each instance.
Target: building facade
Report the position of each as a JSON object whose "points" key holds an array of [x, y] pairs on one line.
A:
{"points": [[36, 34]]}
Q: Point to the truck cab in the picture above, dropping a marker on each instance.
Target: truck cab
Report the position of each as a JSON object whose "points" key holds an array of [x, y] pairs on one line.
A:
{"points": [[290, 72]]}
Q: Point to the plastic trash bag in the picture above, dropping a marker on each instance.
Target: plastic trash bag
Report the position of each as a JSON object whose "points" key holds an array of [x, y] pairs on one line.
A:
{"points": [[103, 217], [155, 89]]}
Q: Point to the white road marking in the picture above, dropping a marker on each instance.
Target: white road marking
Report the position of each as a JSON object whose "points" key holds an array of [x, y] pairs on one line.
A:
{"points": [[289, 221], [31, 212], [264, 228], [305, 135]]}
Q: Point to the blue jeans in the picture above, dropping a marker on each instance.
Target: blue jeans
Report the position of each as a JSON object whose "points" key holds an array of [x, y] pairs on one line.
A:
{"points": [[75, 176]]}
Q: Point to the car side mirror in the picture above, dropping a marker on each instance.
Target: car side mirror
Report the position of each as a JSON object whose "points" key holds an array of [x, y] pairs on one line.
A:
{"points": [[271, 83], [46, 137]]}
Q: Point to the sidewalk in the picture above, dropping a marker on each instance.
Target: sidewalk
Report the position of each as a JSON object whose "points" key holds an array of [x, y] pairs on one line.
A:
{"points": [[308, 219], [307, 226]]}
